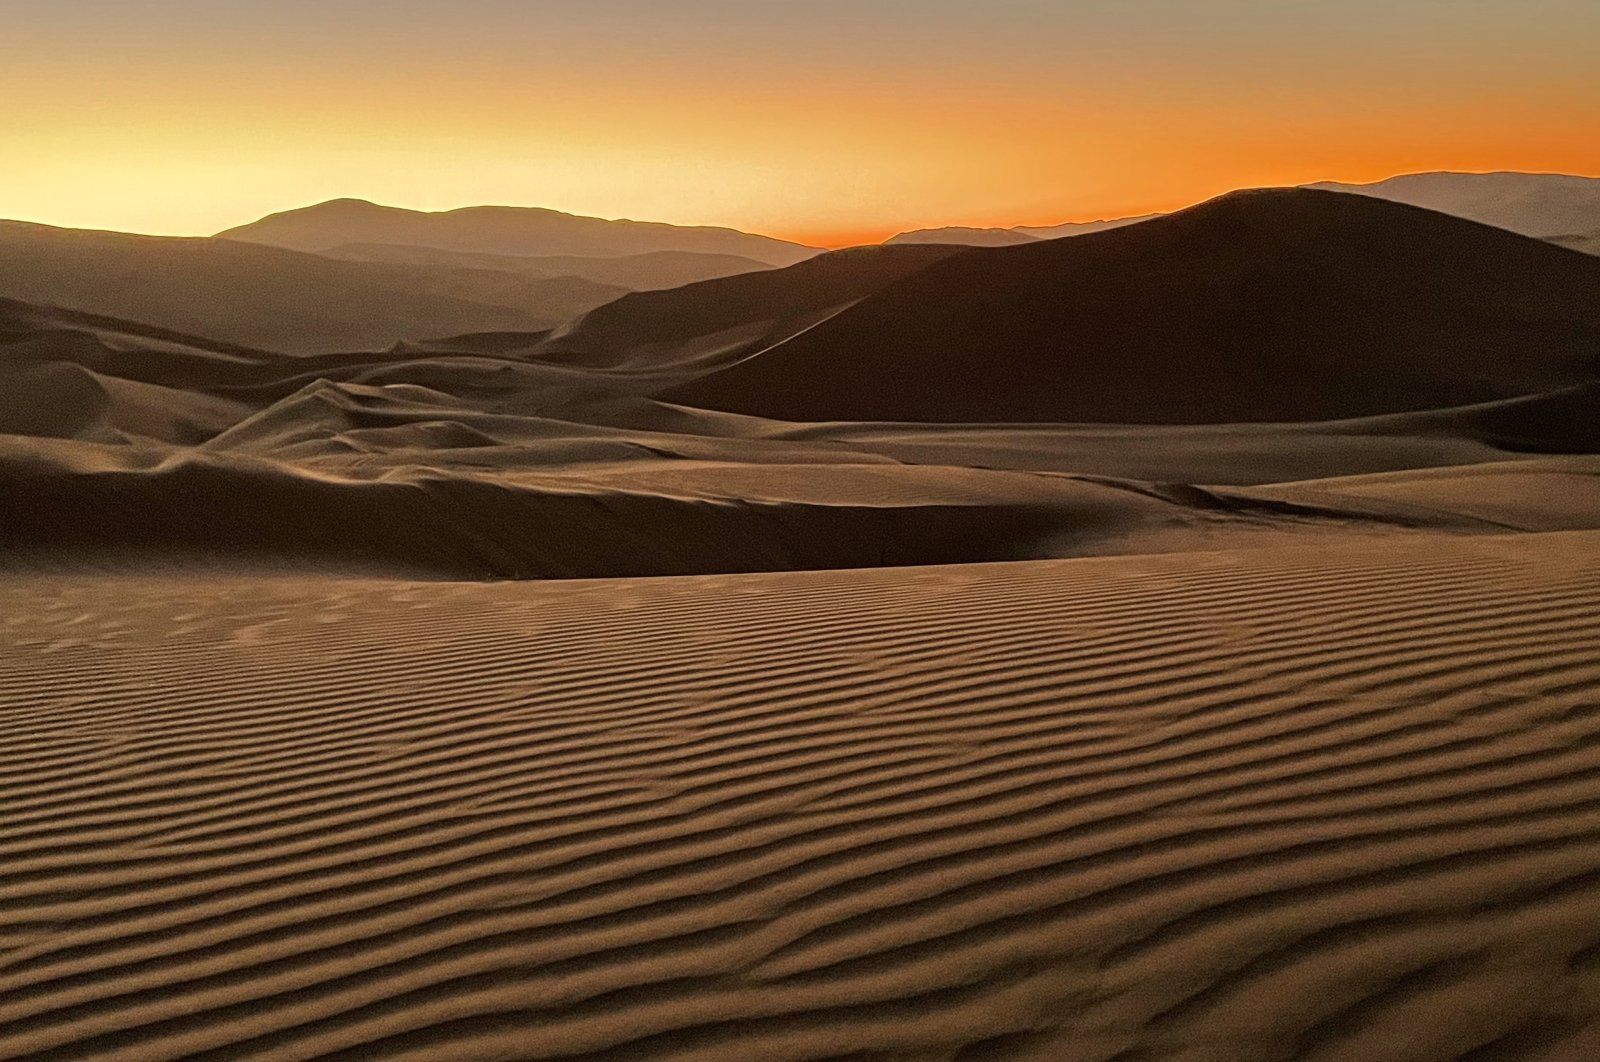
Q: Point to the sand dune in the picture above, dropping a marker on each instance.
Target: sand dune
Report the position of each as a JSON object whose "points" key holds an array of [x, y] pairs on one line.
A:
{"points": [[522, 231], [338, 719], [1234, 806], [1259, 306], [276, 299], [728, 317], [133, 446], [636, 272]]}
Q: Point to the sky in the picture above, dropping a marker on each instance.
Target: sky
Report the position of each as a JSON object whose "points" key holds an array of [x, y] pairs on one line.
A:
{"points": [[828, 122]]}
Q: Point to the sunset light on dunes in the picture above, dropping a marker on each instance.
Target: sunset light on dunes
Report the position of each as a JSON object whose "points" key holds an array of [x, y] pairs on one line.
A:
{"points": [[800, 530]]}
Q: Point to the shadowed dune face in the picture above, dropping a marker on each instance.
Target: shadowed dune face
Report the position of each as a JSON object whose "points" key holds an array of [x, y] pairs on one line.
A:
{"points": [[733, 315], [338, 721], [491, 457], [1270, 305]]}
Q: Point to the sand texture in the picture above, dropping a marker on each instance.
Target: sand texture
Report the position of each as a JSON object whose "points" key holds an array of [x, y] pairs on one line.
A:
{"points": [[1331, 805], [1179, 641]]}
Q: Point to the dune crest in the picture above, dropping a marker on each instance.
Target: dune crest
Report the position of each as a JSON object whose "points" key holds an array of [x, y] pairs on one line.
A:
{"points": [[1258, 306], [648, 686]]}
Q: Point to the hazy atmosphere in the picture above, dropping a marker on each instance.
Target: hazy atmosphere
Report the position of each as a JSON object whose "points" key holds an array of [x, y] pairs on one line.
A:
{"points": [[828, 123], [812, 532]]}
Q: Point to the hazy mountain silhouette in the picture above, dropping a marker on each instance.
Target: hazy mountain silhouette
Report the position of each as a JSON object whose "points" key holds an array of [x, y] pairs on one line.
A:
{"points": [[524, 231], [1547, 205], [1258, 306], [273, 298], [1558, 207], [1080, 228], [979, 237], [728, 316], [962, 236], [639, 272]]}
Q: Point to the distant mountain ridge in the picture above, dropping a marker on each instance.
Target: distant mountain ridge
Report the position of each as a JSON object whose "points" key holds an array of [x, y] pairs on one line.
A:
{"points": [[962, 235], [1080, 228], [342, 275], [1545, 205], [502, 230], [1558, 207], [275, 299], [1020, 234]]}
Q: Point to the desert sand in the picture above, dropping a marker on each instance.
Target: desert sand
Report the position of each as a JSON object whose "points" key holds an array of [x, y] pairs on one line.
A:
{"points": [[357, 297], [659, 687]]}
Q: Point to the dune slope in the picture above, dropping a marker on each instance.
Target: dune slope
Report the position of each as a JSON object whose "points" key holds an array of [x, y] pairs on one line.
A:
{"points": [[123, 445], [273, 298], [735, 314], [636, 272], [1336, 804], [1259, 306]]}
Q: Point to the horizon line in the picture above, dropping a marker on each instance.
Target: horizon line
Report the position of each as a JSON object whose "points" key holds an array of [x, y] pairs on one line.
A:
{"points": [[824, 239]]}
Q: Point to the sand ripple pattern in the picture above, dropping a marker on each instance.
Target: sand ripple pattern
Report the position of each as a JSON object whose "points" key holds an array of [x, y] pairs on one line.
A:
{"points": [[1326, 804]]}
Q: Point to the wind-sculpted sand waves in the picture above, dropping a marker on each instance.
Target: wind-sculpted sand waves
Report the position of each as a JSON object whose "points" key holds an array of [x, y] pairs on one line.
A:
{"points": [[1335, 804]]}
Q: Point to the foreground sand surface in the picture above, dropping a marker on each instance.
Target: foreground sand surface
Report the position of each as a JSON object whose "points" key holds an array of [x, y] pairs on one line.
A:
{"points": [[1174, 642], [1330, 802]]}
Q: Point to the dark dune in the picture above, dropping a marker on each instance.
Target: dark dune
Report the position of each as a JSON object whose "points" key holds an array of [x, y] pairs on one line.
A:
{"points": [[736, 314], [345, 712], [272, 298], [465, 459], [524, 231], [1276, 305]]}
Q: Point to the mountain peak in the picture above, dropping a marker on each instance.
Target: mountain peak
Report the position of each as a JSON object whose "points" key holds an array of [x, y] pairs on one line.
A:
{"points": [[502, 230]]}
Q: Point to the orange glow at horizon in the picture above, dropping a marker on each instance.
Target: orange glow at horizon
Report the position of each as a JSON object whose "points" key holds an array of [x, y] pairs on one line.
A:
{"points": [[825, 147]]}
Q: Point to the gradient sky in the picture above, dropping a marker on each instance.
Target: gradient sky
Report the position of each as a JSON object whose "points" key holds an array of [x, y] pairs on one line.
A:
{"points": [[825, 121]]}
